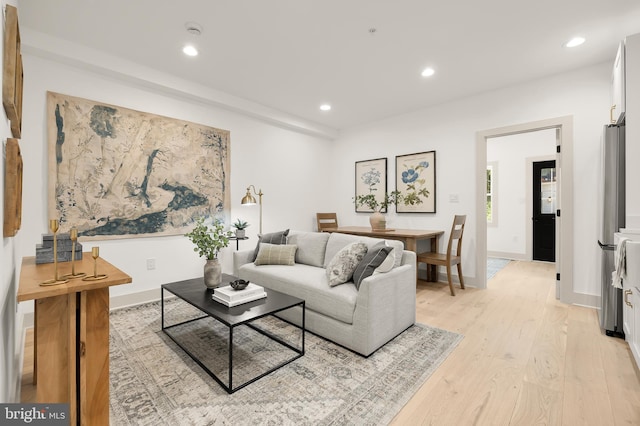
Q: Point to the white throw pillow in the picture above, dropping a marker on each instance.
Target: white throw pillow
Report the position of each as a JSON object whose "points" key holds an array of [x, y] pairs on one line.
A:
{"points": [[387, 264], [340, 268]]}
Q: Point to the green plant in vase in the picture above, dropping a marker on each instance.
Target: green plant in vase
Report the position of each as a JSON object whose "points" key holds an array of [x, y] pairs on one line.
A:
{"points": [[377, 219], [208, 241]]}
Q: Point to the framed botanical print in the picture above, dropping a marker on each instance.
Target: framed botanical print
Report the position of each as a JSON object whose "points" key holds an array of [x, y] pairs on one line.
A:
{"points": [[416, 182], [371, 178]]}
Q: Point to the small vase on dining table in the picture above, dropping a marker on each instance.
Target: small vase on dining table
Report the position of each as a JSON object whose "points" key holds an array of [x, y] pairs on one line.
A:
{"points": [[378, 221]]}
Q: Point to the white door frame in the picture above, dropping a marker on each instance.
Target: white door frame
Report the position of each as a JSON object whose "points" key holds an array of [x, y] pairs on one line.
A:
{"points": [[564, 167]]}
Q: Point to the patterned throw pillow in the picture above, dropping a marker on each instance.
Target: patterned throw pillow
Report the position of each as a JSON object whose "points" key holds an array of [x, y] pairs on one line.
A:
{"points": [[340, 268], [374, 258], [272, 238], [276, 254]]}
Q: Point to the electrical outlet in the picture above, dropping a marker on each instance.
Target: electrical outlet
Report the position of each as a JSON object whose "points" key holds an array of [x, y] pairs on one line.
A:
{"points": [[151, 264]]}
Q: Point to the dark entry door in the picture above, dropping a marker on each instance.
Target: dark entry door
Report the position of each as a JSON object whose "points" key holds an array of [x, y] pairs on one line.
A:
{"points": [[544, 210]]}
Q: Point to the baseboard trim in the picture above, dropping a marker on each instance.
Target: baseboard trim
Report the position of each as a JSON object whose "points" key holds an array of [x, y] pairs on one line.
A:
{"points": [[132, 299], [506, 255], [586, 300]]}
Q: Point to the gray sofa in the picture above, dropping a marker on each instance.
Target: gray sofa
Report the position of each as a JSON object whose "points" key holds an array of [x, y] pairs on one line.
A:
{"points": [[361, 319]]}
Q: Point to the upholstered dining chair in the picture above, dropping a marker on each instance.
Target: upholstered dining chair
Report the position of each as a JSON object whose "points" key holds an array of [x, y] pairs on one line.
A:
{"points": [[451, 257], [326, 220]]}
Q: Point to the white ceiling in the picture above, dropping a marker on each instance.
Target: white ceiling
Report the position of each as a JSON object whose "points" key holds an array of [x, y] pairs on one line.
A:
{"points": [[293, 55]]}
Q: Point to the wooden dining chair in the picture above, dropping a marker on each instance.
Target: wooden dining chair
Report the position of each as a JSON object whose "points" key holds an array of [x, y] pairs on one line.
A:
{"points": [[326, 220], [449, 258]]}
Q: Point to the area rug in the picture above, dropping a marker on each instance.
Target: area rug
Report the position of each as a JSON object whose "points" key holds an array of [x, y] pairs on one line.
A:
{"points": [[154, 382], [494, 265]]}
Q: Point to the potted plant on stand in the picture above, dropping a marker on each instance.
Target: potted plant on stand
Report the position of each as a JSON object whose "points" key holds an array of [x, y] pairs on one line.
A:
{"points": [[208, 243], [240, 226]]}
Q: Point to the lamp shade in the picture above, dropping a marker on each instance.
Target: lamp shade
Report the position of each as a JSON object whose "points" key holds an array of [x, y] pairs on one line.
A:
{"points": [[248, 199]]}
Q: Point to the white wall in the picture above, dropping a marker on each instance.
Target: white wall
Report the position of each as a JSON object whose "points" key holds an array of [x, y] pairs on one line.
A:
{"points": [[11, 326], [507, 236], [450, 130]]}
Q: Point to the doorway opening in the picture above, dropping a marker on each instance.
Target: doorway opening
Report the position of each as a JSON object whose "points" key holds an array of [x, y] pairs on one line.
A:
{"points": [[543, 215], [563, 129], [511, 192]]}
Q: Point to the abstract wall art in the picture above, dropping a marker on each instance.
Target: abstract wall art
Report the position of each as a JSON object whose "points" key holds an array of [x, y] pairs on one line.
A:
{"points": [[119, 173], [12, 73], [12, 189]]}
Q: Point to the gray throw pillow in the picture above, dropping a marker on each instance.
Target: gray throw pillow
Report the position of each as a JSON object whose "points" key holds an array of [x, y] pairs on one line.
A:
{"points": [[272, 238], [340, 268], [276, 254], [374, 258]]}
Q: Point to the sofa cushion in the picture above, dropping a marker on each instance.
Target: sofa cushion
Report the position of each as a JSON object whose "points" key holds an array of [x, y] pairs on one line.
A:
{"points": [[388, 263], [272, 238], [337, 241], [398, 248], [306, 282], [340, 268], [311, 247], [276, 254], [374, 258]]}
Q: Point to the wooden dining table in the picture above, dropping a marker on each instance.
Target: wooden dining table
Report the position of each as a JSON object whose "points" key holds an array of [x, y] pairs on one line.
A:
{"points": [[409, 238]]}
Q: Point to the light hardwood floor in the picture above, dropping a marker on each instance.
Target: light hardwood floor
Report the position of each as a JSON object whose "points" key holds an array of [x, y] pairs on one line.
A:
{"points": [[525, 358]]}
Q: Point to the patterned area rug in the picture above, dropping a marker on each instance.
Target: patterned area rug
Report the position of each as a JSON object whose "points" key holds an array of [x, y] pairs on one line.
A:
{"points": [[153, 381]]}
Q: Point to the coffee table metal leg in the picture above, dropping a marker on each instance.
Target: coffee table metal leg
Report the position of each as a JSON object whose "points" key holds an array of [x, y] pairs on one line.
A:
{"points": [[230, 360], [162, 306]]}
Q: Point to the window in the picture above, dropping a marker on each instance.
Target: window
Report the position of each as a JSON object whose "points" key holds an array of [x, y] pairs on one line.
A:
{"points": [[489, 193]]}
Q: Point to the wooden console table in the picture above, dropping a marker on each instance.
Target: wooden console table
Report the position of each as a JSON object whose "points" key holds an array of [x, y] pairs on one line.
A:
{"points": [[409, 237], [71, 336]]}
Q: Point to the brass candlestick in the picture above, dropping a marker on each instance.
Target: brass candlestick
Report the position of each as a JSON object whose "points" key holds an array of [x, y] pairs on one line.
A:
{"points": [[54, 225], [95, 253], [73, 234]]}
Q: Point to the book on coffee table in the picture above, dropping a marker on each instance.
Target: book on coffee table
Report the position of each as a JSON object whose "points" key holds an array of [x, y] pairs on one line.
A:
{"points": [[230, 297]]}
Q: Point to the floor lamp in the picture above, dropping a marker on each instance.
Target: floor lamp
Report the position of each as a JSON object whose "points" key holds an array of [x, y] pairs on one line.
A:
{"points": [[249, 200]]}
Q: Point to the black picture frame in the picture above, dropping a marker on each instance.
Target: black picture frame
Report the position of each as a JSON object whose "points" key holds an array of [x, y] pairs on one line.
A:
{"points": [[416, 181], [370, 177]]}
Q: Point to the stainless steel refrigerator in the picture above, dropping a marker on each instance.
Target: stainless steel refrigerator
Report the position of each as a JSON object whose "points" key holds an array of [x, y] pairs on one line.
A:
{"points": [[612, 211]]}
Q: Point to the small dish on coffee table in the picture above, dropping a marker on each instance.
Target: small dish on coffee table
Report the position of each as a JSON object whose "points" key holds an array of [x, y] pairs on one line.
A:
{"points": [[239, 284]]}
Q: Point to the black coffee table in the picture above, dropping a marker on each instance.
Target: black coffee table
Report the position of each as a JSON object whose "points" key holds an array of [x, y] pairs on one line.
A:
{"points": [[195, 293]]}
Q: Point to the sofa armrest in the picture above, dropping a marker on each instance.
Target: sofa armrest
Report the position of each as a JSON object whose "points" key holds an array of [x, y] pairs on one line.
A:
{"points": [[409, 258], [241, 258], [386, 304]]}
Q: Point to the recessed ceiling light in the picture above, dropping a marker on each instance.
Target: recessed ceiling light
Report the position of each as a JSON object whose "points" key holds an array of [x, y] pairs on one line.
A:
{"points": [[189, 50], [428, 72], [576, 41], [325, 107]]}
